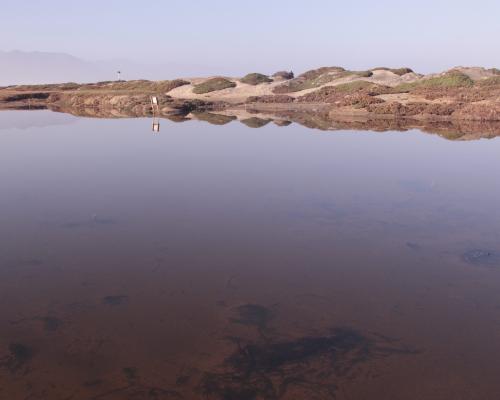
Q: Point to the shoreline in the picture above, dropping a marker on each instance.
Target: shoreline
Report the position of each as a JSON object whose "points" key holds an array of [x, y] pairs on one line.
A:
{"points": [[463, 99]]}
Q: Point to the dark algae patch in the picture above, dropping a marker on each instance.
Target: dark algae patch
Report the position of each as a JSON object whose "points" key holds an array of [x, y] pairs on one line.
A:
{"points": [[115, 300], [482, 257], [306, 366], [139, 392], [51, 324], [252, 315], [130, 373], [18, 356]]}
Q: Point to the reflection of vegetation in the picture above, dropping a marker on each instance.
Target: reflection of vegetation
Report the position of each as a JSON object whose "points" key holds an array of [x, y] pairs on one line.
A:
{"points": [[255, 122], [255, 79], [215, 119], [281, 122], [213, 85]]}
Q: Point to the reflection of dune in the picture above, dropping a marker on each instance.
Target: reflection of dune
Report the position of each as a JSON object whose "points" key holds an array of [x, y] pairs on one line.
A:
{"points": [[320, 118], [33, 119]]}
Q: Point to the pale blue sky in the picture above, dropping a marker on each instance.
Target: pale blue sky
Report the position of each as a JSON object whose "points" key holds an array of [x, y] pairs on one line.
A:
{"points": [[242, 36]]}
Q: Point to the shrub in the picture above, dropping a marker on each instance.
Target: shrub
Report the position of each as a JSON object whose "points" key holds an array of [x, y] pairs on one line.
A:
{"points": [[362, 74], [213, 85], [255, 79], [284, 75], [397, 71], [315, 73]]}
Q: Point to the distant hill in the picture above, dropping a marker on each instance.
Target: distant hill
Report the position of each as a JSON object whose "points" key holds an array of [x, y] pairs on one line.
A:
{"points": [[19, 67]]}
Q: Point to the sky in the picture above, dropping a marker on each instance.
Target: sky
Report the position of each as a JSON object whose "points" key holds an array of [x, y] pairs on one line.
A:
{"points": [[235, 37]]}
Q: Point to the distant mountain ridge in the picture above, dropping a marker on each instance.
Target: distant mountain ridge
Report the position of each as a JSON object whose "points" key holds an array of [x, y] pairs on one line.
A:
{"points": [[20, 67], [35, 67]]}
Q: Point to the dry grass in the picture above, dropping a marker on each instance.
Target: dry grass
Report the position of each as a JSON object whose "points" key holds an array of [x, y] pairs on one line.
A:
{"points": [[493, 81]]}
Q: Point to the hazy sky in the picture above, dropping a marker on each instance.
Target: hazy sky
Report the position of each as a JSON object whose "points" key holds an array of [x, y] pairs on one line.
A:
{"points": [[241, 36]]}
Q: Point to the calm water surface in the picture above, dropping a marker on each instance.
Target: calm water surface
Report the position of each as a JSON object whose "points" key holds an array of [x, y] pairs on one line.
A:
{"points": [[223, 262]]}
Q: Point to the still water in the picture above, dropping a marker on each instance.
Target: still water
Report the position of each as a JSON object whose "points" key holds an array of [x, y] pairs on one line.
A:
{"points": [[223, 262]]}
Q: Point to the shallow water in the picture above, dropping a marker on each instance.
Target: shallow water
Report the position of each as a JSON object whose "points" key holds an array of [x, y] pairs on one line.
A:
{"points": [[223, 262]]}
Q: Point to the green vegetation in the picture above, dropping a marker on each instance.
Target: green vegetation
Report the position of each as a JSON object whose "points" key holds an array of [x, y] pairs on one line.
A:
{"points": [[284, 75], [213, 85], [310, 80], [361, 74], [255, 79], [397, 71], [318, 77], [451, 79], [316, 73], [352, 87]]}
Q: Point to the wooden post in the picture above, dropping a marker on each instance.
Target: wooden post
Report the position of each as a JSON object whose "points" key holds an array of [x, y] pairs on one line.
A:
{"points": [[155, 108]]}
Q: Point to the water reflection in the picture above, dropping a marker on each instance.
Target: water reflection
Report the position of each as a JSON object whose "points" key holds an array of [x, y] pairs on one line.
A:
{"points": [[451, 130]]}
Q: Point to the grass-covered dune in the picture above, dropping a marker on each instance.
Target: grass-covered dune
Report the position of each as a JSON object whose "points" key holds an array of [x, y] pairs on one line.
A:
{"points": [[213, 85], [450, 79], [255, 79]]}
